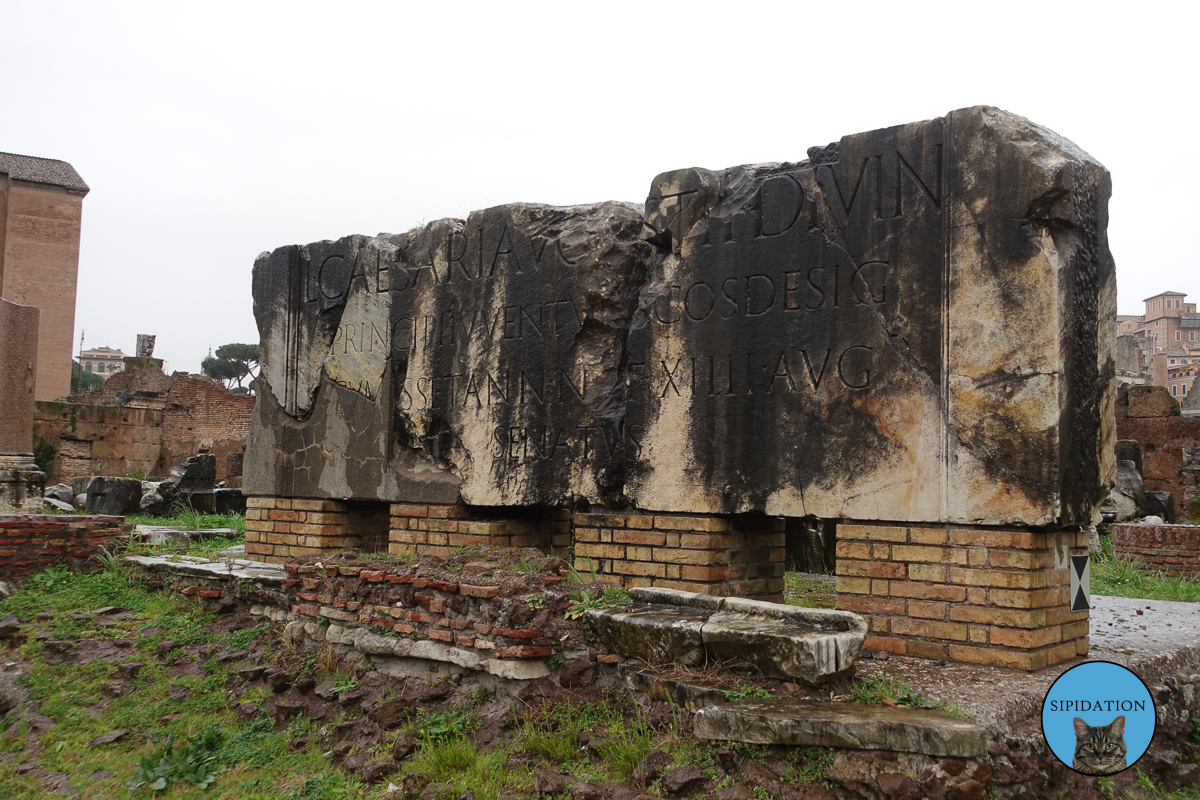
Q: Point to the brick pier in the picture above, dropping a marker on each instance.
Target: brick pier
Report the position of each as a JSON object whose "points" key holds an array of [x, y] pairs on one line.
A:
{"points": [[981, 595]]}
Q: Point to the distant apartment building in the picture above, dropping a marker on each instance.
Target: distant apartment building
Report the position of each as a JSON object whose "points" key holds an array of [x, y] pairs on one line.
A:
{"points": [[1168, 321], [103, 361], [41, 208], [1176, 368], [1160, 346]]}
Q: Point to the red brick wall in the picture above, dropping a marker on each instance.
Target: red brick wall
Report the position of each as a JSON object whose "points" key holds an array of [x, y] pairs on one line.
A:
{"points": [[40, 267], [474, 611], [199, 407], [185, 414], [1171, 549], [1163, 440], [99, 440], [29, 542]]}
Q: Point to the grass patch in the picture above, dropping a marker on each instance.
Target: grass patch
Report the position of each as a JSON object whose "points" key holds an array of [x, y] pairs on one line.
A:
{"points": [[193, 520], [886, 690], [180, 745], [808, 591], [1122, 576]]}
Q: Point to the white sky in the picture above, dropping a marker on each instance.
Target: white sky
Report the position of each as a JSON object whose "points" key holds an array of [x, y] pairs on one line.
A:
{"points": [[212, 131]]}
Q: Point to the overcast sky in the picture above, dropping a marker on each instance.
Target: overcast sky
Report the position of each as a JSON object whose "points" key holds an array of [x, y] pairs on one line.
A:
{"points": [[210, 132]]}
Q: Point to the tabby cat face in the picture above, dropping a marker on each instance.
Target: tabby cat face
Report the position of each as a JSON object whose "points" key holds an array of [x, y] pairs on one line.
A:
{"points": [[1099, 750]]}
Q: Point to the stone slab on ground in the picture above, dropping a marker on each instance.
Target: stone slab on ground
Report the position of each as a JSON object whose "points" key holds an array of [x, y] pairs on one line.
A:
{"points": [[852, 725], [266, 574], [169, 534], [809, 645]]}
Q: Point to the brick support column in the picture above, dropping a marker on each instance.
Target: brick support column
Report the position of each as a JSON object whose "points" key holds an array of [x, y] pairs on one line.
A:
{"points": [[435, 529], [279, 528], [720, 555], [979, 595]]}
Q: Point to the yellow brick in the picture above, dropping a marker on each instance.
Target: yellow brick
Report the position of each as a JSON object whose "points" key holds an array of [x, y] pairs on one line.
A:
{"points": [[697, 557], [879, 588], [1010, 598], [872, 533], [977, 557], [927, 610], [927, 572], [930, 650], [639, 568], [1023, 559], [853, 550], [1026, 639], [645, 538], [307, 505], [927, 535], [931, 555], [992, 577], [1010, 618], [977, 633], [448, 512], [983, 537], [639, 554], [600, 520], [673, 570], [587, 534], [713, 541], [407, 510], [715, 524], [853, 569], [906, 626], [853, 585], [599, 550], [994, 657]]}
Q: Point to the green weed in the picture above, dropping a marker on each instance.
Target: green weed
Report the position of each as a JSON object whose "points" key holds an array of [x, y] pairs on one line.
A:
{"points": [[808, 592], [1116, 575], [748, 691]]}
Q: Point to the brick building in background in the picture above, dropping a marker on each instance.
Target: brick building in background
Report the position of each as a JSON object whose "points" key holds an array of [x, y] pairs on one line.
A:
{"points": [[41, 207], [142, 420]]}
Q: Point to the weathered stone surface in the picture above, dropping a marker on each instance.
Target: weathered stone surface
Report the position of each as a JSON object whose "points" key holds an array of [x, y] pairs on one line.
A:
{"points": [[812, 646], [192, 484], [1161, 504], [1127, 499], [796, 297], [849, 725], [18, 370], [1130, 450], [21, 482], [113, 495], [59, 491], [654, 633], [911, 325], [1146, 401], [478, 358], [814, 649]]}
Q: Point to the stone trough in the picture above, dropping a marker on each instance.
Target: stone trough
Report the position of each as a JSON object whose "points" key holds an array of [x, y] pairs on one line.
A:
{"points": [[806, 645]]}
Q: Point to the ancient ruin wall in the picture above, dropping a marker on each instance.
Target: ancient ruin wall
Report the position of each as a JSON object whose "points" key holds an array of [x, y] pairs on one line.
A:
{"points": [[906, 326], [145, 421]]}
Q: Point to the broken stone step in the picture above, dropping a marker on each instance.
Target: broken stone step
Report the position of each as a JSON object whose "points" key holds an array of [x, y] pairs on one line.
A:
{"points": [[808, 645], [850, 725]]}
